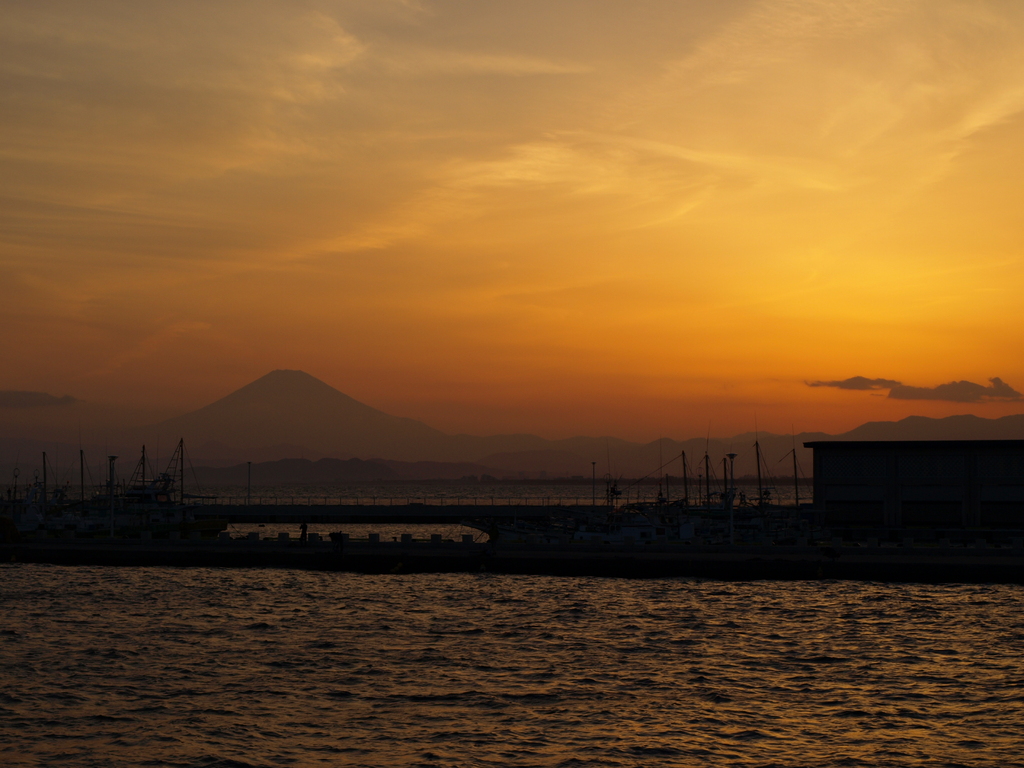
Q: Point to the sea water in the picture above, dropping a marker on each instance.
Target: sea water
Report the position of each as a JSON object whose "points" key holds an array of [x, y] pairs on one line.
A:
{"points": [[220, 667]]}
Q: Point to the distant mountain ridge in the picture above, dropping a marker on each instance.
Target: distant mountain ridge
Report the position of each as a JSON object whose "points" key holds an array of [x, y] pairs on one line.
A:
{"points": [[291, 414], [333, 471], [963, 427]]}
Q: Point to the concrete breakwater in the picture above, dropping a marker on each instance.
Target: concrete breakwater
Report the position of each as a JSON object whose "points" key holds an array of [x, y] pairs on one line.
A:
{"points": [[740, 562]]}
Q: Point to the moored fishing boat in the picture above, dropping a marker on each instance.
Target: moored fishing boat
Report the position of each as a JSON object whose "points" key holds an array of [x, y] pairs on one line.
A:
{"points": [[717, 514], [145, 506]]}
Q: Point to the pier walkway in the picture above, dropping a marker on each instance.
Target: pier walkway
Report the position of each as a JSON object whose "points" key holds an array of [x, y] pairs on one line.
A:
{"points": [[315, 509], [1004, 564]]}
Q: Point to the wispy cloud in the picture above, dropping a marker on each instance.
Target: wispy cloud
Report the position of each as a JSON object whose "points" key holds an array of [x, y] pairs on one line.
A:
{"points": [[413, 185], [855, 85], [432, 61], [958, 392], [19, 399], [951, 392], [857, 382]]}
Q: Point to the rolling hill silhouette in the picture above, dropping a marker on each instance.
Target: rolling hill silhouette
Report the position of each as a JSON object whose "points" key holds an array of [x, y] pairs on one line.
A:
{"points": [[290, 414], [961, 427]]}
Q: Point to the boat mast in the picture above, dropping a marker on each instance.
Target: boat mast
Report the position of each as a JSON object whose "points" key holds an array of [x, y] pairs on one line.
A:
{"points": [[44, 482], [661, 466], [81, 473], [796, 482], [760, 493], [686, 490], [181, 461], [110, 487], [727, 496], [707, 479], [142, 465]]}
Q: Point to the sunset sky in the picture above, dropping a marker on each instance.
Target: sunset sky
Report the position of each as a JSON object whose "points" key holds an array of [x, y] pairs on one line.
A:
{"points": [[562, 217]]}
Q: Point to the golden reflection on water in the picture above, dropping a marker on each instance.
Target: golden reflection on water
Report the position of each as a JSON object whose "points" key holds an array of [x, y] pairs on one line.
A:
{"points": [[201, 667]]}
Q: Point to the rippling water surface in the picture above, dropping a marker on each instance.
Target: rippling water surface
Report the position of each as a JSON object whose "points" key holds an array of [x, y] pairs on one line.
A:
{"points": [[177, 667]]}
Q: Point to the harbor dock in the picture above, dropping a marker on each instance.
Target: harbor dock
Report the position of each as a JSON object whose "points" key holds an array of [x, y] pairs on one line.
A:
{"points": [[977, 563], [312, 510]]}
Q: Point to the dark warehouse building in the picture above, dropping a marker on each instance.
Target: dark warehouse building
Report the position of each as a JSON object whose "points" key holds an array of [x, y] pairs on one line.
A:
{"points": [[934, 484]]}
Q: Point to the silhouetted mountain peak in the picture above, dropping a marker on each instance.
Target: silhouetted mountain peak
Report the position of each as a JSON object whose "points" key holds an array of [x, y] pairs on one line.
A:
{"points": [[287, 407], [289, 413], [289, 390]]}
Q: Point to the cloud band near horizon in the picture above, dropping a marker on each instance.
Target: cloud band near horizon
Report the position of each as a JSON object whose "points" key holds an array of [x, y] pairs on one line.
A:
{"points": [[18, 399], [858, 383], [951, 392]]}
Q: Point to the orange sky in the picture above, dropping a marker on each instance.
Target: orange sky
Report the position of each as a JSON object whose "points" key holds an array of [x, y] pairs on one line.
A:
{"points": [[565, 218]]}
